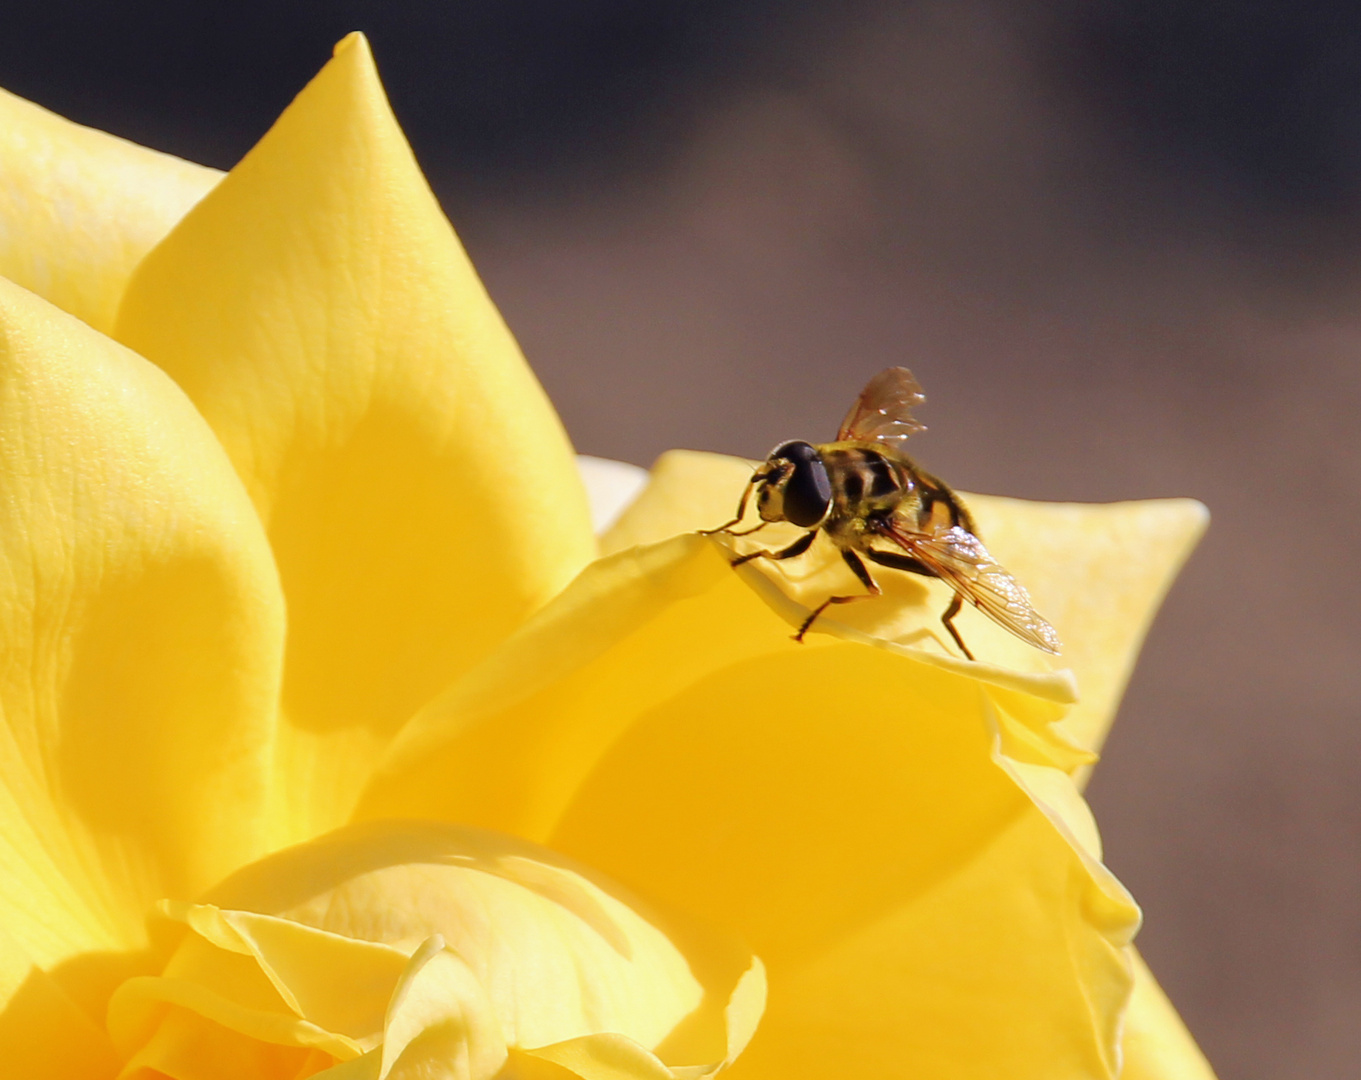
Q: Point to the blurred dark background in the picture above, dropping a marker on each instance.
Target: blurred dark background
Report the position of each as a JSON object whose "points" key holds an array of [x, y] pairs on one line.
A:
{"points": [[1120, 244]]}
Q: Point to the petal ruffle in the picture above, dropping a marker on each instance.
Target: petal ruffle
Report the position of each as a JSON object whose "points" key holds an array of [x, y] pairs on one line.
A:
{"points": [[656, 721], [79, 208], [419, 493], [143, 630], [413, 949]]}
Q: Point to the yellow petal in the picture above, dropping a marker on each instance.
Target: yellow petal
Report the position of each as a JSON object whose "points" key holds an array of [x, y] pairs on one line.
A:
{"points": [[79, 208], [686, 490], [186, 1047], [1157, 1045], [526, 920], [418, 490], [440, 1023], [981, 977], [1098, 572], [143, 632], [603, 1057], [414, 949], [657, 721]]}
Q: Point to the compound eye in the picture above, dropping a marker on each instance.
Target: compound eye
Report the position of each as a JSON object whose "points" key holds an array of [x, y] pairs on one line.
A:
{"points": [[808, 491]]}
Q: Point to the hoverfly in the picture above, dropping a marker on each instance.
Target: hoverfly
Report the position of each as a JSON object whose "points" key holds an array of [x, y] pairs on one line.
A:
{"points": [[873, 502]]}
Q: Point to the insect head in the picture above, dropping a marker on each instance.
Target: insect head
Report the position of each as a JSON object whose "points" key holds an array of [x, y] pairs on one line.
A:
{"points": [[793, 486]]}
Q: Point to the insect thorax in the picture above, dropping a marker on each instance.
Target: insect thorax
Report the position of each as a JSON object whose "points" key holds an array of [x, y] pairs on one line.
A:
{"points": [[865, 481]]}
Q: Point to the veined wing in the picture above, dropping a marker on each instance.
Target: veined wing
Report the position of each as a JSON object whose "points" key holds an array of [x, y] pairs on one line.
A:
{"points": [[883, 411], [959, 558]]}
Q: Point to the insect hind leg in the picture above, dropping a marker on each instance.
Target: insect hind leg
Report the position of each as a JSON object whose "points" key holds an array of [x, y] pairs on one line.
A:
{"points": [[895, 561], [862, 572], [949, 620], [906, 562]]}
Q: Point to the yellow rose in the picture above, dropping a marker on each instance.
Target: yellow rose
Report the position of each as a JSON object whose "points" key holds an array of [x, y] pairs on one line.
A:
{"points": [[323, 722]]}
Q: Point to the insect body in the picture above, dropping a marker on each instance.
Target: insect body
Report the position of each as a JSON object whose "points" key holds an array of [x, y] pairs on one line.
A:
{"points": [[874, 503]]}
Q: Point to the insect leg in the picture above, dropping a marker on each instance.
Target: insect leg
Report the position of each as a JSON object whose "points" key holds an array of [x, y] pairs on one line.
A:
{"points": [[862, 572], [907, 562], [798, 547], [741, 512], [948, 620], [897, 561]]}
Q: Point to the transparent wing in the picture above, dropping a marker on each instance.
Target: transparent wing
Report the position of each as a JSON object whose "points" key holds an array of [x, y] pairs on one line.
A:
{"points": [[883, 411], [959, 558]]}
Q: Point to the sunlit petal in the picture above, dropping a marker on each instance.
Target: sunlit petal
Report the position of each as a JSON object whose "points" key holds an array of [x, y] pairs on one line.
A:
{"points": [[143, 632], [79, 208], [418, 490], [657, 721], [994, 973]]}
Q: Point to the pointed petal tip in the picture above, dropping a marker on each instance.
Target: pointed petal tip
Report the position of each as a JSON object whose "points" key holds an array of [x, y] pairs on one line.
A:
{"points": [[323, 317], [1192, 513], [355, 54], [354, 40], [353, 70]]}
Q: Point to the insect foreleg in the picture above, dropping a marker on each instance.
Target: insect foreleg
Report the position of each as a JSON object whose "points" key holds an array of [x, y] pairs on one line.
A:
{"points": [[741, 512], [862, 572], [948, 619], [798, 547]]}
